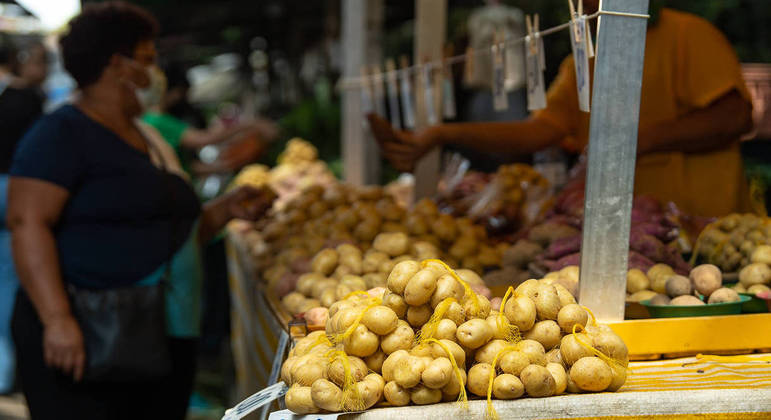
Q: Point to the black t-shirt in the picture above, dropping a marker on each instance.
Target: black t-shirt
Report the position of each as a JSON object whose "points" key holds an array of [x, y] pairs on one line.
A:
{"points": [[124, 218], [19, 108]]}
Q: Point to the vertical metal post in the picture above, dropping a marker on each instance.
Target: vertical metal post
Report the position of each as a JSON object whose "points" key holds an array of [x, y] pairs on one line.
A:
{"points": [[612, 149], [360, 39], [430, 28]]}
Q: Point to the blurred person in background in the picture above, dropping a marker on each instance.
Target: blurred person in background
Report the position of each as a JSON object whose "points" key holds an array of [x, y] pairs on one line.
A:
{"points": [[22, 73], [98, 202], [693, 109]]}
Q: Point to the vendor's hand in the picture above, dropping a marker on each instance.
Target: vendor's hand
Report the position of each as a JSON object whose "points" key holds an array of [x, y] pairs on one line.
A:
{"points": [[402, 148], [63, 346], [249, 203], [265, 129]]}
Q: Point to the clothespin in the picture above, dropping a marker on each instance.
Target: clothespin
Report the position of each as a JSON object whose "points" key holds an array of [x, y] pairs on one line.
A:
{"points": [[427, 70], [573, 18], [393, 93], [468, 66], [500, 99], [407, 98], [530, 26]]}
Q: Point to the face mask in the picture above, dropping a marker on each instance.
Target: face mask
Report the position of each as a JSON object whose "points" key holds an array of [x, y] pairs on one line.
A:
{"points": [[151, 95]]}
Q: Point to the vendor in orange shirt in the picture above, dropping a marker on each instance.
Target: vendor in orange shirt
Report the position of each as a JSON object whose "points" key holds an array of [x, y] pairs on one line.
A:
{"points": [[693, 109]]}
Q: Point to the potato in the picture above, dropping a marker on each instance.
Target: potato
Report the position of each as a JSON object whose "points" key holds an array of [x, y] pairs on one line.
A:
{"points": [[658, 275], [328, 297], [487, 353], [325, 262], [564, 295], [571, 272], [336, 370], [479, 310], [659, 269], [447, 287], [755, 289], [418, 315], [686, 300], [317, 316], [438, 373], [547, 302], [560, 377], [396, 303], [474, 333], [479, 379], [341, 271], [341, 291], [353, 261], [456, 313], [306, 281], [445, 330], [706, 278], [308, 368], [422, 395], [340, 305], [373, 260], [507, 387], [375, 280], [343, 319], [409, 370], [724, 295], [619, 378], [286, 369], [326, 395], [514, 362], [292, 302], [464, 246], [659, 299], [642, 295], [391, 362], [528, 288], [738, 288], [677, 285], [636, 281], [321, 286], [554, 356], [571, 315], [393, 244], [538, 381], [455, 350], [521, 312], [398, 339], [572, 350], [298, 400], [396, 395], [572, 387], [451, 391], [371, 389], [470, 277], [761, 254], [381, 320], [401, 274], [416, 224], [444, 227], [591, 374], [545, 332], [533, 350], [367, 230], [611, 345], [755, 273], [420, 287]]}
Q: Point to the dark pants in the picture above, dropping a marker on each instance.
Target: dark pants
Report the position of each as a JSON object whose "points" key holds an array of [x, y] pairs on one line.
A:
{"points": [[53, 395]]}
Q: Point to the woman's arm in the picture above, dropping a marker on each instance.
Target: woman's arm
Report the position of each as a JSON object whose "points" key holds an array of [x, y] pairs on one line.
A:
{"points": [[246, 203], [194, 138], [34, 207]]}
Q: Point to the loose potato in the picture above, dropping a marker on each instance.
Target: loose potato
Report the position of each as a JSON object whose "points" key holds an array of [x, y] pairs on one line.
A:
{"points": [[381, 320], [328, 297], [306, 281], [373, 260], [447, 287], [479, 378], [706, 278], [642, 295], [325, 262], [545, 332], [326, 395], [336, 370], [464, 246], [470, 277], [571, 315], [507, 387], [755, 289], [538, 381], [298, 400], [445, 330], [521, 312], [677, 285], [353, 261], [396, 395], [321, 286], [438, 373], [375, 280], [474, 333], [398, 339], [391, 362], [422, 395], [659, 299], [367, 230], [528, 288], [755, 273], [560, 377], [572, 350], [293, 301], [591, 374], [686, 300], [317, 316], [416, 224], [514, 362], [723, 295], [444, 227], [762, 254], [418, 315], [393, 244], [487, 353], [658, 275], [636, 281], [396, 303], [420, 287], [401, 274], [534, 351]]}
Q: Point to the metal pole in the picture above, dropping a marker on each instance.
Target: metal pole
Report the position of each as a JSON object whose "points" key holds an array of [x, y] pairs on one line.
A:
{"points": [[612, 150]]}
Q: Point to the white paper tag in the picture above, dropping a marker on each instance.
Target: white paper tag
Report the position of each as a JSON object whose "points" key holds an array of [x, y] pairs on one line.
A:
{"points": [[500, 99], [378, 91], [408, 101], [541, 52], [428, 90], [589, 44], [288, 415], [393, 95], [581, 60], [536, 94], [448, 94], [257, 400]]}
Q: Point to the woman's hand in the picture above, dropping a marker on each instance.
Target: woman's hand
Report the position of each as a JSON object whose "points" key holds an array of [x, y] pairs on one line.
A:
{"points": [[402, 148], [63, 346], [248, 203]]}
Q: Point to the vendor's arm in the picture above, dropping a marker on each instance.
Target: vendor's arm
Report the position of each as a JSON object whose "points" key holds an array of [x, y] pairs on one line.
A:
{"points": [[194, 138], [702, 130], [246, 203], [34, 207]]}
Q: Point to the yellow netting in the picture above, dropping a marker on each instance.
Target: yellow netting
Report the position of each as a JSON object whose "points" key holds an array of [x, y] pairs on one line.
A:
{"points": [[509, 332], [612, 363], [338, 338], [355, 293], [351, 399], [728, 359], [462, 397], [490, 412], [429, 328], [469, 294]]}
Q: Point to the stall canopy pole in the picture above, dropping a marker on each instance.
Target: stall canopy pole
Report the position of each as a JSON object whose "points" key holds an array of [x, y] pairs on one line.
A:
{"points": [[362, 21], [430, 28], [612, 149]]}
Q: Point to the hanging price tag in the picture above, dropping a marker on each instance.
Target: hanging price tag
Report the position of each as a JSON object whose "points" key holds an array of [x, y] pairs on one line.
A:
{"points": [[541, 51], [448, 93], [378, 91], [366, 94], [393, 94], [581, 61], [536, 93], [500, 100], [428, 90], [408, 101]]}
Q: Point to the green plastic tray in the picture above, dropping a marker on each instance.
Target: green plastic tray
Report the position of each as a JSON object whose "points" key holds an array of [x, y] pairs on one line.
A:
{"points": [[755, 305], [669, 311]]}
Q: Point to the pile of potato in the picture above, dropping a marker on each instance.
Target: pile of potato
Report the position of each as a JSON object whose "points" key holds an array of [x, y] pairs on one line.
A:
{"points": [[730, 242], [755, 277], [662, 286], [429, 338]]}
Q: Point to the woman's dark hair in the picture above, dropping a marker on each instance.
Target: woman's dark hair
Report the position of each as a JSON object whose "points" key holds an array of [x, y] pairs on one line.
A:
{"points": [[100, 31]]}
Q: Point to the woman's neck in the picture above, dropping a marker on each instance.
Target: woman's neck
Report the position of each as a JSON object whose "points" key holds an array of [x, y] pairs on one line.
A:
{"points": [[104, 106]]}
